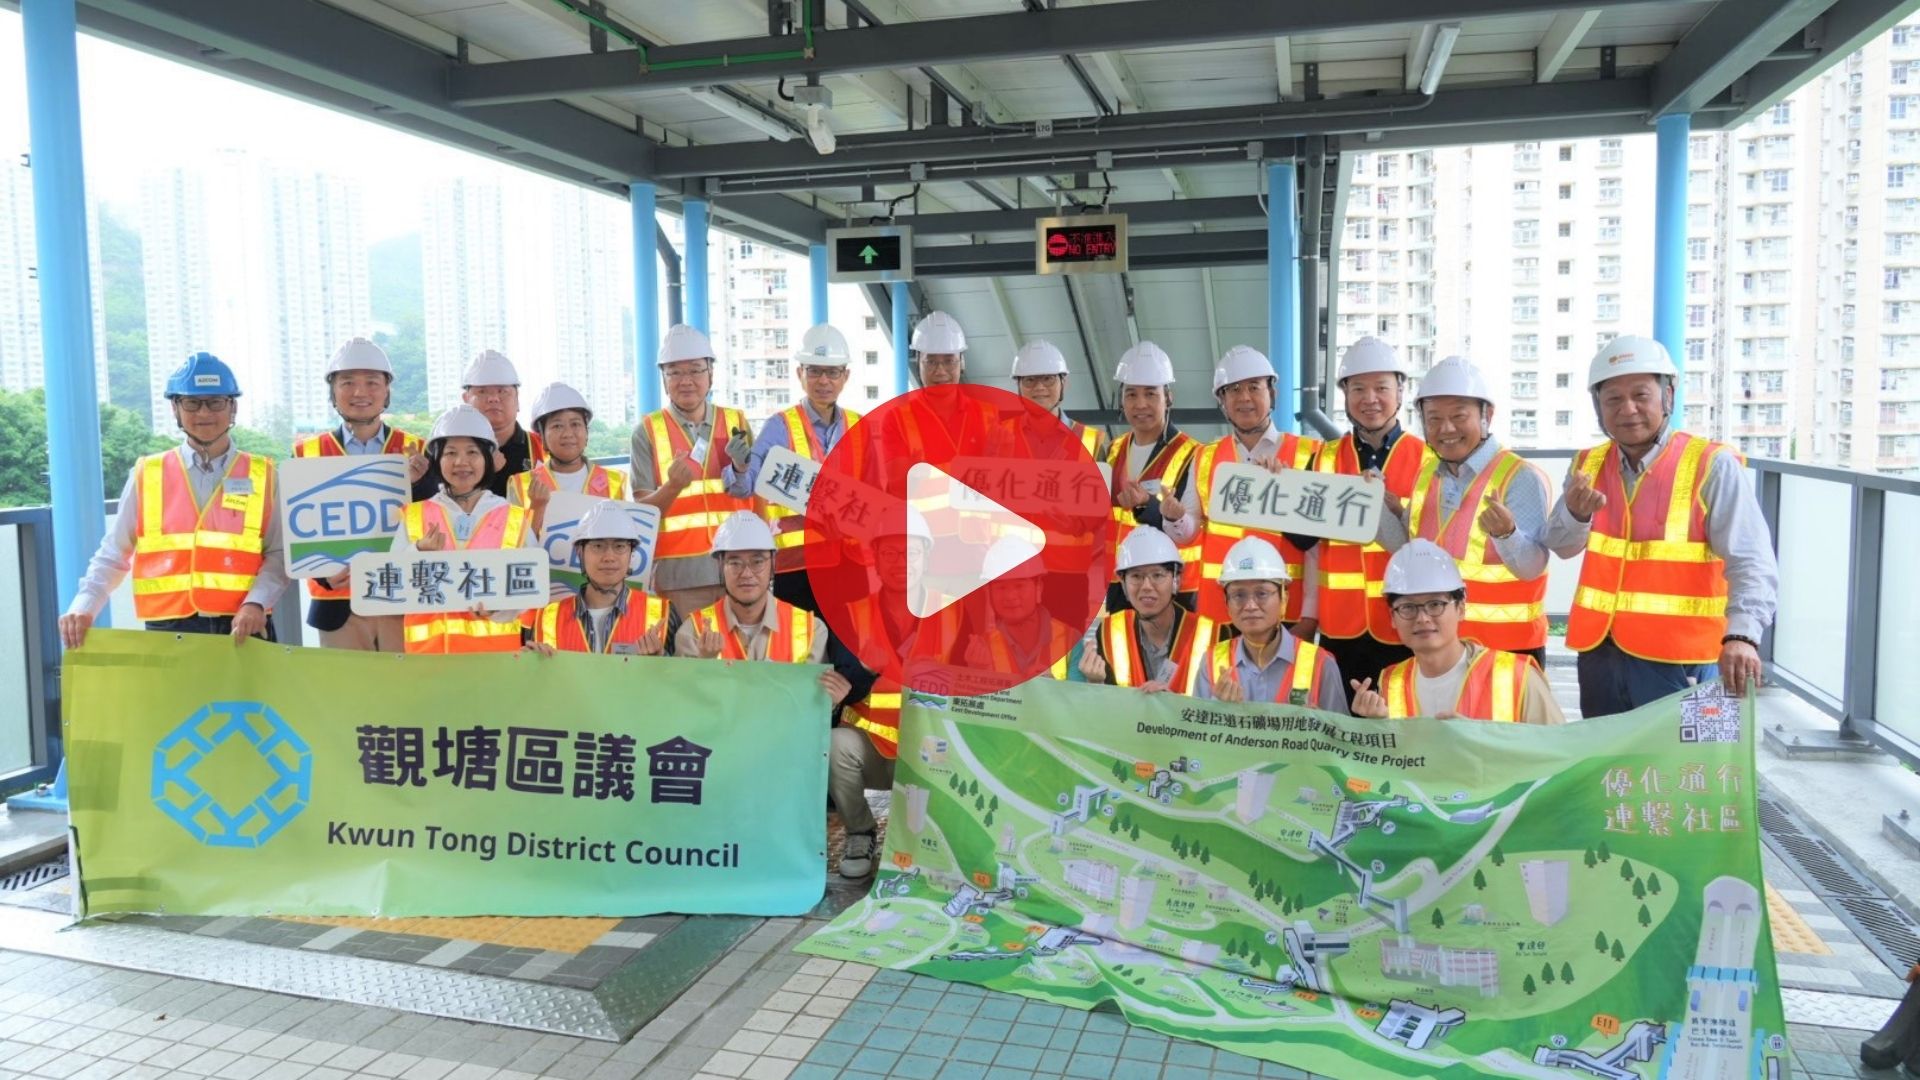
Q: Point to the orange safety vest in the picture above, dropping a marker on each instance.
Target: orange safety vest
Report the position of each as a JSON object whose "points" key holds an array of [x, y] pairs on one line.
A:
{"points": [[1299, 685], [792, 641], [559, 623], [1062, 643], [1503, 612], [602, 483], [1352, 582], [1089, 437], [1294, 452], [1129, 668], [190, 559], [878, 714], [1649, 580], [789, 526], [1166, 467], [1494, 688], [327, 444], [686, 529], [458, 631]]}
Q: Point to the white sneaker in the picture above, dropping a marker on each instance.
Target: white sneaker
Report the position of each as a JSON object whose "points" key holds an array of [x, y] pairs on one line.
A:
{"points": [[857, 860]]}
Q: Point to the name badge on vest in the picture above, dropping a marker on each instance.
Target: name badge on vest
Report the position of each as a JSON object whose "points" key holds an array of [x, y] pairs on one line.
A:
{"points": [[236, 493], [626, 648], [700, 451], [239, 485]]}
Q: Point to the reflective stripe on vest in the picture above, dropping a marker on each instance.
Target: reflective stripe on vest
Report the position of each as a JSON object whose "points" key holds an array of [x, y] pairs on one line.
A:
{"points": [[1649, 580], [1494, 688], [457, 631], [878, 714], [1293, 452], [1193, 638], [1166, 467], [1089, 437], [1299, 684], [190, 559], [559, 623], [792, 640], [1060, 642], [1503, 612], [602, 483], [789, 526], [687, 528], [1353, 576]]}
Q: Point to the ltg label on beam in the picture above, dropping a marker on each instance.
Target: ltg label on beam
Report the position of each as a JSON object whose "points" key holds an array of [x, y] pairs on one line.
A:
{"points": [[1084, 244]]}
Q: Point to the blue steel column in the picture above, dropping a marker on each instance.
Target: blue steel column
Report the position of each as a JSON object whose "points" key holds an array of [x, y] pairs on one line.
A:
{"points": [[1283, 291], [695, 260], [66, 308], [646, 297], [898, 293], [1670, 248], [817, 281]]}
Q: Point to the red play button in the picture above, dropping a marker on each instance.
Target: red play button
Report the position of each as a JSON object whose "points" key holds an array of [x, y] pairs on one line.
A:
{"points": [[1001, 564]]}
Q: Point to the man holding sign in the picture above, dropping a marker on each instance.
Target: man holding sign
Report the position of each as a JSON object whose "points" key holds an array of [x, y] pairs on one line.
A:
{"points": [[810, 430], [360, 381], [606, 614], [1149, 459]]}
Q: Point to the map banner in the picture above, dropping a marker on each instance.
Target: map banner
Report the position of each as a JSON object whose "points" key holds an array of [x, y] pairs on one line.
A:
{"points": [[206, 779], [1330, 505], [1357, 898]]}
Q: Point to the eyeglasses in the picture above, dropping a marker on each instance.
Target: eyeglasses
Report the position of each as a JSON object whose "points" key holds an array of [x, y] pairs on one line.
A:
{"points": [[1034, 382], [821, 371], [1413, 609], [941, 363], [485, 392], [1252, 597], [756, 561], [682, 374], [1155, 576], [204, 404]]}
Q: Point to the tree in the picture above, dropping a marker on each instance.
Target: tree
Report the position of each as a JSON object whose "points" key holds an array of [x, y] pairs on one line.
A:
{"points": [[1566, 972], [1591, 859], [1206, 855], [953, 781], [1113, 825], [1253, 879], [1626, 870], [1653, 884], [1603, 852], [973, 787], [1646, 917], [1618, 952], [1386, 787], [1499, 857], [1600, 940], [23, 425], [1546, 973], [1256, 962], [993, 802], [989, 819], [979, 804], [1639, 889], [1529, 985], [1134, 832], [1119, 772], [1479, 880], [1439, 920]]}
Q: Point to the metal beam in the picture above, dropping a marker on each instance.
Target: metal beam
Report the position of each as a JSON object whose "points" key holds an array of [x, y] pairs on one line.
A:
{"points": [[1846, 27], [326, 47], [1171, 252], [1166, 131], [1140, 24], [1559, 42], [1723, 46], [1283, 68], [777, 213], [1164, 212]]}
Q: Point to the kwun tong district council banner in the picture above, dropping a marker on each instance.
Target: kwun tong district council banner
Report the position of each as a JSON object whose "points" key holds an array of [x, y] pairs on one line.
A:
{"points": [[212, 779], [1358, 898]]}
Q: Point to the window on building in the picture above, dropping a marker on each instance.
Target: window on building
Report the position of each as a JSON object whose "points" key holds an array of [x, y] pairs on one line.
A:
{"points": [[1562, 417], [1526, 309], [1564, 305], [1526, 155], [1526, 232], [1526, 271], [1699, 281], [1386, 165], [1560, 381], [1697, 248], [1609, 230], [1696, 350], [1700, 149], [873, 357], [1610, 190], [1607, 307], [1526, 194], [1526, 423], [1609, 268], [1566, 229], [1899, 105], [871, 323], [873, 393], [1899, 175], [1526, 385], [1566, 151], [1697, 315], [1610, 153], [1526, 347], [1783, 112], [1566, 192], [1562, 343]]}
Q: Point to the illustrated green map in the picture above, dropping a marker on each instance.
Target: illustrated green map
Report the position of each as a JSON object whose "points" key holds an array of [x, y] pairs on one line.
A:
{"points": [[1354, 897]]}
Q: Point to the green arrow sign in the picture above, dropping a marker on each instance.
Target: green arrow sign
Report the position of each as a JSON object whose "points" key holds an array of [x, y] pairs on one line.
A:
{"points": [[867, 254]]}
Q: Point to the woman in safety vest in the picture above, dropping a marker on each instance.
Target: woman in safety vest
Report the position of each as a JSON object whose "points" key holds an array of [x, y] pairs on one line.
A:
{"points": [[562, 419], [462, 516], [606, 615], [1265, 662], [1446, 677]]}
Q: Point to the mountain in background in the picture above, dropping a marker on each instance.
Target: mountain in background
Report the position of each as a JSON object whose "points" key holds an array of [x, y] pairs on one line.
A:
{"points": [[397, 287]]}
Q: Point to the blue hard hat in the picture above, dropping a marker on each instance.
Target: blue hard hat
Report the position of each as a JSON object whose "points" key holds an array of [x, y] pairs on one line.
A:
{"points": [[203, 375]]}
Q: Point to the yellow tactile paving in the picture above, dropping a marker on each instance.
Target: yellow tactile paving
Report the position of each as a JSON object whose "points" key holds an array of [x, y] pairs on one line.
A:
{"points": [[1791, 934], [556, 935]]}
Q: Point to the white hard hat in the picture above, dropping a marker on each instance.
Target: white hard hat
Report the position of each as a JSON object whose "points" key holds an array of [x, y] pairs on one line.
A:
{"points": [[823, 346], [559, 396], [1253, 559], [1039, 358], [1630, 354], [1422, 566], [917, 527], [1011, 556], [462, 420], [1146, 364], [490, 368], [1145, 546], [1454, 377], [607, 521], [939, 332], [742, 531], [683, 342], [1241, 362], [359, 354], [1369, 356]]}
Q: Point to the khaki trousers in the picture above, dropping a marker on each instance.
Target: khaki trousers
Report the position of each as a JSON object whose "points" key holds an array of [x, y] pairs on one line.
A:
{"points": [[368, 633], [853, 768]]}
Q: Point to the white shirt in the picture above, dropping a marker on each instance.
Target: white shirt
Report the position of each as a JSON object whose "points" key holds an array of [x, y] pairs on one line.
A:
{"points": [[575, 481]]}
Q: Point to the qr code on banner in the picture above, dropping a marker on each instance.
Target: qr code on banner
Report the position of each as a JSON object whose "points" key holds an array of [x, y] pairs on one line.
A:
{"points": [[1709, 716]]}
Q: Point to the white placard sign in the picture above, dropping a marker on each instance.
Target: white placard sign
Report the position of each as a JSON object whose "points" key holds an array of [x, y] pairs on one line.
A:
{"points": [[565, 509], [1029, 487], [786, 478], [419, 582], [1328, 505], [333, 508]]}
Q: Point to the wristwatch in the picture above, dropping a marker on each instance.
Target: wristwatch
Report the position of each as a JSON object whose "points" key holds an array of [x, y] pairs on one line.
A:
{"points": [[1740, 637]]}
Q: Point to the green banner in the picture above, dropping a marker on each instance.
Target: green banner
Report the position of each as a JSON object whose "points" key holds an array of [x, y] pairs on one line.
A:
{"points": [[1358, 898], [209, 778]]}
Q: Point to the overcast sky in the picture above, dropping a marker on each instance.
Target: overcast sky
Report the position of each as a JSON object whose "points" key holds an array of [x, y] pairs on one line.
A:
{"points": [[140, 111]]}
